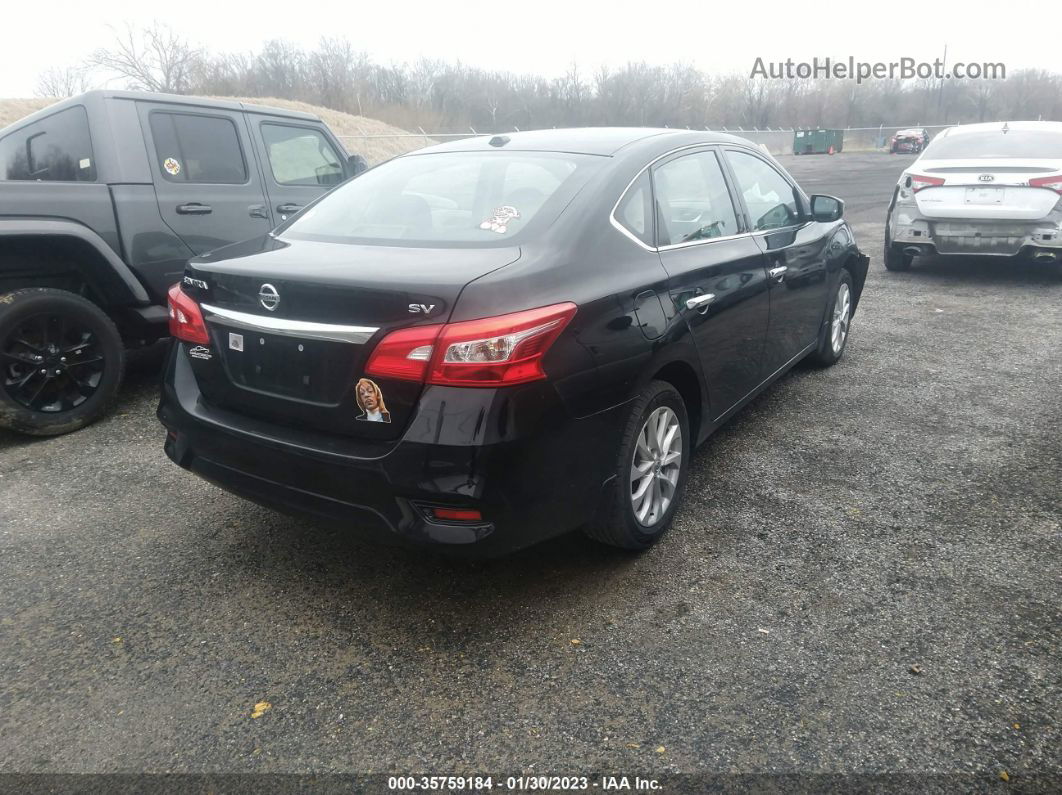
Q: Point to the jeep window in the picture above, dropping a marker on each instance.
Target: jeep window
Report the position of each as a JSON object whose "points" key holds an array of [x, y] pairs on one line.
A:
{"points": [[301, 156], [54, 149], [470, 198], [194, 148]]}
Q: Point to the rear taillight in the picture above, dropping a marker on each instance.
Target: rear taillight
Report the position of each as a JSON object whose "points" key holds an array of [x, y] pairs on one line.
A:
{"points": [[1051, 183], [921, 182], [186, 319], [457, 514], [492, 351], [404, 354]]}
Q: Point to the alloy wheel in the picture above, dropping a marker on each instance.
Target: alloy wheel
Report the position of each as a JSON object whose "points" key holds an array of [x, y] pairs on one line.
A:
{"points": [[51, 363], [656, 466], [842, 309]]}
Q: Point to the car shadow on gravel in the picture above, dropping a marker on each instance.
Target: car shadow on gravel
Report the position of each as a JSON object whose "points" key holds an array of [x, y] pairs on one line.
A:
{"points": [[411, 597], [987, 270]]}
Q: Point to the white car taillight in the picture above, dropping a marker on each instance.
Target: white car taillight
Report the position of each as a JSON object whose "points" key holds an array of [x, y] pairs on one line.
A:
{"points": [[1051, 183]]}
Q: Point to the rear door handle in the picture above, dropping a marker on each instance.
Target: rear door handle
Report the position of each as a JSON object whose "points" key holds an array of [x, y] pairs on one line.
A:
{"points": [[700, 302], [777, 273], [194, 208], [288, 209], [258, 211]]}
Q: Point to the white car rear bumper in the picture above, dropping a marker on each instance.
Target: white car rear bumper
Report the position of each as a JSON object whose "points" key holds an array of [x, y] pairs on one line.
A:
{"points": [[908, 226]]}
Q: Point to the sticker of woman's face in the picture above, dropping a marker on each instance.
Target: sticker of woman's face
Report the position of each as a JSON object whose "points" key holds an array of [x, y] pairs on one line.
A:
{"points": [[367, 396], [370, 400]]}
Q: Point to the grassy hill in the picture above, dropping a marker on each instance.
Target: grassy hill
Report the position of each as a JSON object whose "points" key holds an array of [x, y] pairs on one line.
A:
{"points": [[348, 127]]}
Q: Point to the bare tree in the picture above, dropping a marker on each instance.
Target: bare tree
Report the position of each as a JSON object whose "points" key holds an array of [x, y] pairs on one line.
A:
{"points": [[154, 58], [63, 82]]}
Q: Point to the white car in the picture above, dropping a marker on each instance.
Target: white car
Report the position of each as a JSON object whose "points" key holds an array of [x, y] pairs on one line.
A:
{"points": [[991, 189]]}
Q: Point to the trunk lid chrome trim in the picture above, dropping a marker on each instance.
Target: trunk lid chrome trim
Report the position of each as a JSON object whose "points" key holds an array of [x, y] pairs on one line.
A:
{"points": [[357, 335]]}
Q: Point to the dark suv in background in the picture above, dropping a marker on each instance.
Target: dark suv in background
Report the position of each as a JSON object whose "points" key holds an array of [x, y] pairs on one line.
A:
{"points": [[103, 199]]}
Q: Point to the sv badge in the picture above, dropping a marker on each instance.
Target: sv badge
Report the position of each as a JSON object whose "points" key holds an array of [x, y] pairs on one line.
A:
{"points": [[421, 308]]}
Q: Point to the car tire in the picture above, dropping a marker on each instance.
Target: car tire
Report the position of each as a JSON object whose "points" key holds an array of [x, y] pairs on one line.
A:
{"points": [[61, 362], [833, 338], [634, 521], [896, 259]]}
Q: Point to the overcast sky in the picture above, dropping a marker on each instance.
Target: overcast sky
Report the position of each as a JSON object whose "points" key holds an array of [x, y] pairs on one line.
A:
{"points": [[545, 36]]}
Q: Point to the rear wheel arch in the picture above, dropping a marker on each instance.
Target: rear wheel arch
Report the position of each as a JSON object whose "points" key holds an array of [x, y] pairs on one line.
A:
{"points": [[684, 378], [68, 256]]}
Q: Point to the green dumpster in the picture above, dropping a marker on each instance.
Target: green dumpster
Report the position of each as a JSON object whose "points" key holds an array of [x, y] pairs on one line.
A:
{"points": [[817, 142]]}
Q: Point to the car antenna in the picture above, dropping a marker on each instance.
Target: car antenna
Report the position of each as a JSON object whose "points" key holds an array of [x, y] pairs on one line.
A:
{"points": [[499, 140], [1006, 128]]}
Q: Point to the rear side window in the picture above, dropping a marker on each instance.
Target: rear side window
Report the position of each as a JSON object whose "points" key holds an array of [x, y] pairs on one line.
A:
{"points": [[634, 211], [692, 200], [770, 199], [55, 149], [301, 156], [194, 148]]}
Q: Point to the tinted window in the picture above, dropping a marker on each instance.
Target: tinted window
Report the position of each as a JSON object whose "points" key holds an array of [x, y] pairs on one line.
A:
{"points": [[191, 148], [692, 200], [635, 210], [301, 156], [459, 197], [770, 199], [1031, 144], [55, 149]]}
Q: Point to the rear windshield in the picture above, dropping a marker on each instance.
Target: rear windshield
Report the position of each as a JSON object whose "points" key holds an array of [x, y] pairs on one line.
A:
{"points": [[1028, 144], [460, 198]]}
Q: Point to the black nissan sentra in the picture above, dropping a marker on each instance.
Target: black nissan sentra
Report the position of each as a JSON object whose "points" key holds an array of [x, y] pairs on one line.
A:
{"points": [[489, 342]]}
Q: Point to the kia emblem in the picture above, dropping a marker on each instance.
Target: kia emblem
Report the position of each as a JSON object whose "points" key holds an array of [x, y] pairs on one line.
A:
{"points": [[986, 178], [268, 297]]}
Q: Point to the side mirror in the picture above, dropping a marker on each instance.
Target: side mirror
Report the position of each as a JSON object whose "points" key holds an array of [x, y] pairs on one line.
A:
{"points": [[357, 165], [825, 209]]}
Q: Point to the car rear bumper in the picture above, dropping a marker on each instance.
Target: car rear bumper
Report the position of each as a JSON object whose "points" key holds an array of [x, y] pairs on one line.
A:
{"points": [[908, 227], [542, 483]]}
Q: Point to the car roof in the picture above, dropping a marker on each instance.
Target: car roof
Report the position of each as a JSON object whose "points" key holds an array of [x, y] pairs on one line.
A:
{"points": [[90, 97], [605, 141], [997, 126]]}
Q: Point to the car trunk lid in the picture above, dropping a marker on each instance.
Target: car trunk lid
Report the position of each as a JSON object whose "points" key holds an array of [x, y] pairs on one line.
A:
{"points": [[987, 190], [293, 323]]}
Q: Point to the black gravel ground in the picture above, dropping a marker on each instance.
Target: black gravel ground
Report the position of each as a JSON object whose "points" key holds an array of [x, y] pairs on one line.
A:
{"points": [[864, 578]]}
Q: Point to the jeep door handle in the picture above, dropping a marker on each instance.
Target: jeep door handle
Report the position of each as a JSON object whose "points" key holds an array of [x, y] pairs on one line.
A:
{"points": [[288, 209], [194, 208], [777, 273], [258, 211], [700, 302]]}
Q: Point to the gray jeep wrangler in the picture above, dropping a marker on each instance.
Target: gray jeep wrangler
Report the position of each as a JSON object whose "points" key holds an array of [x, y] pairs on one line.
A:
{"points": [[103, 198]]}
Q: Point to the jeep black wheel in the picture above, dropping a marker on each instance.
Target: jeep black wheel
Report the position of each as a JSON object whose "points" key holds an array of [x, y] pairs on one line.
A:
{"points": [[61, 361]]}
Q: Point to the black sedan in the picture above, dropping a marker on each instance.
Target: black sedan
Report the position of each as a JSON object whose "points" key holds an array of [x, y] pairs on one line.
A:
{"points": [[489, 342]]}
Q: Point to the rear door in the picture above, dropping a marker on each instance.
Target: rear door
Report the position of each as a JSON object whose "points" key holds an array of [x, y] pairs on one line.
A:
{"points": [[208, 187], [795, 251], [299, 161], [717, 279]]}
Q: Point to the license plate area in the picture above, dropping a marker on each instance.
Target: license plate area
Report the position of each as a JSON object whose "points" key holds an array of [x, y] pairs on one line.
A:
{"points": [[984, 195], [291, 367]]}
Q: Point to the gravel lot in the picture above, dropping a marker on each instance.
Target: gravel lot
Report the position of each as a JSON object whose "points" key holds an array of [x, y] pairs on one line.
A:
{"points": [[865, 578]]}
